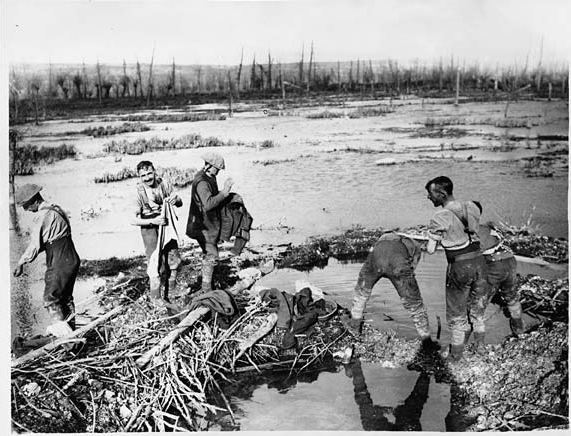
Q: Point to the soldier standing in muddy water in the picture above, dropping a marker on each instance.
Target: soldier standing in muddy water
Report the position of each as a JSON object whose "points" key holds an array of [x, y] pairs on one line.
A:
{"points": [[501, 274], [151, 192], [394, 257], [204, 218], [52, 234], [455, 227]]}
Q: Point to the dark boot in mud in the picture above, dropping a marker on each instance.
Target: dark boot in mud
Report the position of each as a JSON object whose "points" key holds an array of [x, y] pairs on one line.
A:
{"points": [[517, 326]]}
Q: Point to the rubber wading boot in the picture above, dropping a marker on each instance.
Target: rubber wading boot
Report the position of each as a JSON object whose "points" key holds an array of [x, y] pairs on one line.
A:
{"points": [[155, 288], [207, 272], [456, 353], [354, 326], [480, 343], [517, 326], [69, 309]]}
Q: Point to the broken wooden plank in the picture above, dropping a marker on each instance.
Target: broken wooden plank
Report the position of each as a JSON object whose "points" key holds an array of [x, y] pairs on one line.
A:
{"points": [[76, 333], [193, 317]]}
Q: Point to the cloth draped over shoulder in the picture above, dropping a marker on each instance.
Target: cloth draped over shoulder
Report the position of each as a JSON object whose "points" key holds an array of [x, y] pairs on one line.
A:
{"points": [[167, 233]]}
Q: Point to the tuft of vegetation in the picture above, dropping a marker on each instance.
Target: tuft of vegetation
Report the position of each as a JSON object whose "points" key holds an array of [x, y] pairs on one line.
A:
{"points": [[377, 111], [501, 122], [100, 131], [327, 114], [179, 177], [144, 145], [272, 161], [29, 156]]}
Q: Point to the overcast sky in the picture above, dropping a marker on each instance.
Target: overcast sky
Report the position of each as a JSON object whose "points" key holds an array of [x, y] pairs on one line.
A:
{"points": [[214, 32]]}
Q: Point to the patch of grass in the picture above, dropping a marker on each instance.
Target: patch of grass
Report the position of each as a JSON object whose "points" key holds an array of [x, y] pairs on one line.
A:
{"points": [[272, 161], [143, 145], [268, 143], [100, 131], [327, 114], [179, 177], [29, 156], [169, 118], [503, 148], [498, 122], [364, 112]]}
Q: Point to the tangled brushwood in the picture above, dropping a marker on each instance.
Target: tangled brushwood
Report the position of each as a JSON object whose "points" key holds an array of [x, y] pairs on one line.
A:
{"points": [[103, 382]]}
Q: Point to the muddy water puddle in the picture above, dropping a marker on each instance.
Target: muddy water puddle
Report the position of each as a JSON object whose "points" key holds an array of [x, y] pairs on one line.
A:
{"points": [[353, 397]]}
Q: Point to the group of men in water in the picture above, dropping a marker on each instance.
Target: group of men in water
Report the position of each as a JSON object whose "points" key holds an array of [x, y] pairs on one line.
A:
{"points": [[479, 264]]}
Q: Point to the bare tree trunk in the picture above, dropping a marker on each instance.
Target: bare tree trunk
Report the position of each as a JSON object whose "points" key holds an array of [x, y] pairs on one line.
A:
{"points": [[338, 76], [310, 65], [457, 86], [173, 78], [84, 81], [99, 82], [253, 74], [300, 80], [283, 87], [199, 80], [269, 85], [36, 91], [150, 84], [140, 78], [549, 87], [230, 111], [538, 82], [238, 79], [372, 78], [14, 137]]}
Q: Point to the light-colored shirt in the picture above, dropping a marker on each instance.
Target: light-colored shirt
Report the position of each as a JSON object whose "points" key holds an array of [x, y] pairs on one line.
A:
{"points": [[155, 196], [447, 229], [50, 226]]}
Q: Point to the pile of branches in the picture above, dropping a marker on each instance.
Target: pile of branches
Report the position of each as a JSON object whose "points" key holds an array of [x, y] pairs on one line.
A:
{"points": [[545, 247], [104, 387], [545, 298]]}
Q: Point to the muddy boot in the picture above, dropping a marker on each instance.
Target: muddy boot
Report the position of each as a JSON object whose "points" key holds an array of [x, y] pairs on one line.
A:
{"points": [[353, 325], [69, 310], [456, 353], [171, 283], [480, 343], [207, 273], [155, 288], [517, 326]]}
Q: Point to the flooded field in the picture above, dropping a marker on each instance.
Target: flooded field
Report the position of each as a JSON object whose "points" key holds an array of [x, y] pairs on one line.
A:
{"points": [[323, 176]]}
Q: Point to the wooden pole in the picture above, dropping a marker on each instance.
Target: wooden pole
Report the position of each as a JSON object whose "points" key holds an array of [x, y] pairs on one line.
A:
{"points": [[150, 84], [76, 333]]}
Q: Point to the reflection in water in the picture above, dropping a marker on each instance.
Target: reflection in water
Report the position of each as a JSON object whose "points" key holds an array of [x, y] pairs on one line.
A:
{"points": [[374, 417]]}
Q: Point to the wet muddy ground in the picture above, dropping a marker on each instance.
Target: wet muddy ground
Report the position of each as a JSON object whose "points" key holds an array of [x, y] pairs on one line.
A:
{"points": [[324, 176]]}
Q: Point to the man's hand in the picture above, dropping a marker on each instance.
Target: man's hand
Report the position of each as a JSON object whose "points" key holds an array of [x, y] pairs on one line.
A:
{"points": [[173, 199], [59, 329], [159, 221], [228, 185], [18, 270]]}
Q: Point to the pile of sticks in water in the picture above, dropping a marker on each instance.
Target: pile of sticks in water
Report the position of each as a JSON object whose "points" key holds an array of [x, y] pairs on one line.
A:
{"points": [[545, 298], [141, 368]]}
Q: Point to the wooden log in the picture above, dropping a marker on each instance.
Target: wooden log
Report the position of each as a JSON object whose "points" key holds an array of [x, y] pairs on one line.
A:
{"points": [[190, 319], [262, 331], [76, 333]]}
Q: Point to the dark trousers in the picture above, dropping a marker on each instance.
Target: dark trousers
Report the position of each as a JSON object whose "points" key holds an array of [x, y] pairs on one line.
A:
{"points": [[62, 263]]}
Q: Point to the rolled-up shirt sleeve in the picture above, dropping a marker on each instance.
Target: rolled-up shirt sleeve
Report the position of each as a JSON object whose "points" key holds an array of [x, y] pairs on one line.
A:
{"points": [[438, 226], [208, 200], [35, 246]]}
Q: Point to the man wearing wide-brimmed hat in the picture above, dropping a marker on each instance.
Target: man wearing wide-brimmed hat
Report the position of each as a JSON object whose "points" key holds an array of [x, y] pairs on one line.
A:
{"points": [[204, 218], [52, 234]]}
